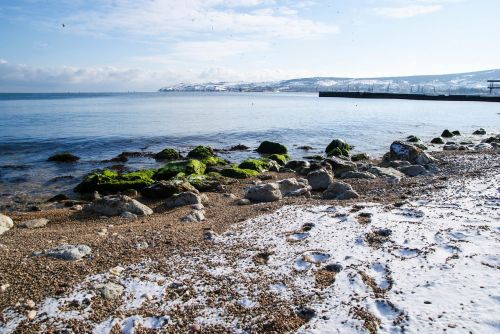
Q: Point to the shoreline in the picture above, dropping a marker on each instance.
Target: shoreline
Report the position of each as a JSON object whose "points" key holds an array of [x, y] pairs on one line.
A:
{"points": [[36, 278]]}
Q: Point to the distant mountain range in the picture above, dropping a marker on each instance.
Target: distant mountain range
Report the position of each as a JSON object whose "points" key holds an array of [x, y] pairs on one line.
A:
{"points": [[461, 83]]}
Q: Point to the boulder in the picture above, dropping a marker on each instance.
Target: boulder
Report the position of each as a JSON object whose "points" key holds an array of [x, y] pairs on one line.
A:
{"points": [[172, 168], [182, 199], [58, 198], [168, 154], [389, 173], [456, 133], [412, 139], [116, 205], [338, 147], [340, 191], [109, 290], [407, 152], [357, 175], [319, 179], [68, 252], [437, 140], [6, 223], [451, 147], [294, 187], [128, 215], [112, 181], [483, 147], [243, 201], [446, 134], [238, 173], [267, 192], [480, 132], [340, 166], [413, 170], [165, 189], [201, 153], [269, 147], [34, 223], [360, 157], [194, 216], [297, 165], [64, 157]]}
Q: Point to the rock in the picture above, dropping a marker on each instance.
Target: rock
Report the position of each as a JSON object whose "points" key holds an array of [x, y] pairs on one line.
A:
{"points": [[483, 147], [165, 189], [194, 216], [398, 164], [141, 245], [456, 133], [204, 198], [116, 205], [128, 215], [340, 166], [31, 315], [450, 147], [6, 223], [305, 148], [357, 175], [437, 140], [480, 132], [34, 223], [412, 139], [58, 198], [238, 173], [446, 134], [258, 165], [340, 191], [64, 157], [360, 157], [319, 179], [182, 199], [294, 187], [197, 206], [68, 252], [109, 290], [168, 154], [243, 201], [131, 193], [76, 207], [390, 173], [338, 147], [413, 170], [269, 147], [117, 271], [281, 159], [239, 147], [297, 165], [407, 152], [334, 267], [268, 192], [111, 181]]}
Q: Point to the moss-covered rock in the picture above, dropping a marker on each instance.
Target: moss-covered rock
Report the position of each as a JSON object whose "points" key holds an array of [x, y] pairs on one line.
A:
{"points": [[437, 140], [168, 154], [447, 134], [201, 153], [110, 181], [269, 147], [420, 146], [258, 165], [214, 161], [64, 157], [338, 147], [315, 157], [165, 189], [238, 173], [360, 157], [281, 159], [207, 182], [413, 139], [456, 133], [171, 169]]}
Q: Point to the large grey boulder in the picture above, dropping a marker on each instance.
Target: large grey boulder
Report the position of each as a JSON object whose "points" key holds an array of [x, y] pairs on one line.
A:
{"points": [[407, 152], [194, 216], [34, 223], [413, 170], [267, 192], [6, 223], [297, 165], [294, 187], [340, 166], [116, 205], [109, 290], [68, 252], [182, 199], [389, 173], [340, 191], [357, 175], [319, 179]]}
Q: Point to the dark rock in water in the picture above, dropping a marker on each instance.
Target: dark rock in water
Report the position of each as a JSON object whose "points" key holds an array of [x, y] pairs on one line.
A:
{"points": [[239, 147], [480, 132], [360, 157], [437, 140], [305, 148], [172, 168], [269, 147], [119, 158], [447, 134], [491, 140], [165, 189], [338, 147], [168, 154], [412, 139], [64, 157], [456, 133], [112, 181], [281, 159], [316, 157], [58, 198]]}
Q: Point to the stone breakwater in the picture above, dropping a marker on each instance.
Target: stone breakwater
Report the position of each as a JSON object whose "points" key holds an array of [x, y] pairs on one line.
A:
{"points": [[338, 242]]}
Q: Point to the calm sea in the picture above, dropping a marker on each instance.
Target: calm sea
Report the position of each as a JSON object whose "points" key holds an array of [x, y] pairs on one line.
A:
{"points": [[100, 126]]}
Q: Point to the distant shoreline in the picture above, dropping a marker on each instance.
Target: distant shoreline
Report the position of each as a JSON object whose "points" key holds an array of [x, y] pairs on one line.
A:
{"points": [[420, 97]]}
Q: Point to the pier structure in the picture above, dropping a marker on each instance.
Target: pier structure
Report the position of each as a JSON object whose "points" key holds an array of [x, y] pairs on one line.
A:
{"points": [[493, 84]]}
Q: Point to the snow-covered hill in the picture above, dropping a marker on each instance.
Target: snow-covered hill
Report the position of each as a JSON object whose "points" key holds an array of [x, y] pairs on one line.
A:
{"points": [[462, 83]]}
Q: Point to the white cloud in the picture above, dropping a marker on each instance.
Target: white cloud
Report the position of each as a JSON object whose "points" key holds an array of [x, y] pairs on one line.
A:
{"points": [[404, 12]]}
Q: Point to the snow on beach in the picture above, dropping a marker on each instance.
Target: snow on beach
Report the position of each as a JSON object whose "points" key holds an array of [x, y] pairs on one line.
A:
{"points": [[424, 265]]}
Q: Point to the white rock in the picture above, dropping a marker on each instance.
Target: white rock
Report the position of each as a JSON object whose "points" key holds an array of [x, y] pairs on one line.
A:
{"points": [[116, 205], [269, 192], [195, 216], [182, 199], [109, 290], [128, 215], [319, 179], [198, 206], [117, 271], [243, 201], [340, 191], [68, 252], [6, 223], [294, 187], [31, 315], [34, 223]]}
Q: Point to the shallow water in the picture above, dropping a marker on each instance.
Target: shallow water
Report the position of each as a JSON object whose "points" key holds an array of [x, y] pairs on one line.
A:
{"points": [[100, 126]]}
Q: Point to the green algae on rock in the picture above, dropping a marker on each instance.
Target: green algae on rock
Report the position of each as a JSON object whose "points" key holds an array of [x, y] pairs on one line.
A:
{"points": [[238, 173], [281, 159], [112, 181], [201, 153], [171, 169], [338, 147], [269, 147], [64, 157], [168, 154], [412, 139], [258, 165], [360, 157]]}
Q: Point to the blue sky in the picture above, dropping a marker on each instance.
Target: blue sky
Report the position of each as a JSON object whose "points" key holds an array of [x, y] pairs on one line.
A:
{"points": [[120, 45]]}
